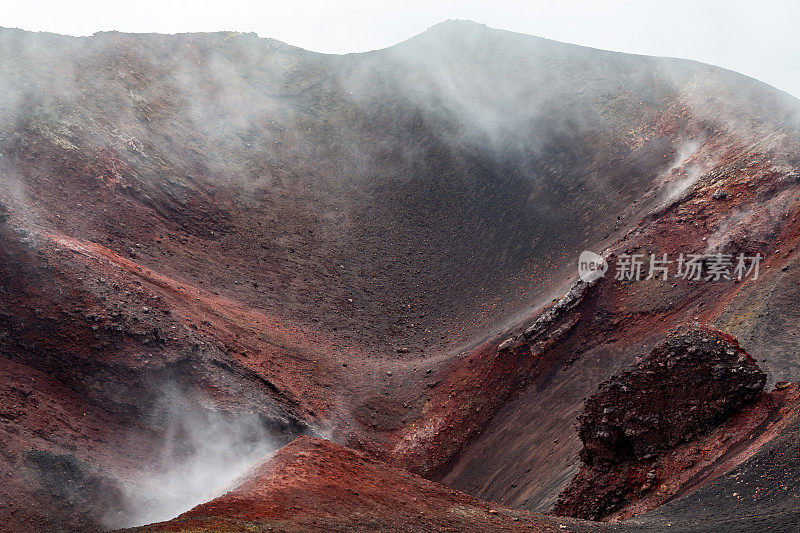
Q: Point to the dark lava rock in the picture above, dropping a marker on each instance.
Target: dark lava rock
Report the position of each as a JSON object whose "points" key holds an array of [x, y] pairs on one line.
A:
{"points": [[719, 195], [695, 380], [688, 385]]}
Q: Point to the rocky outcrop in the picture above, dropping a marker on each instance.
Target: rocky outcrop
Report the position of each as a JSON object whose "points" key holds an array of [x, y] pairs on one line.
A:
{"points": [[689, 384], [544, 331]]}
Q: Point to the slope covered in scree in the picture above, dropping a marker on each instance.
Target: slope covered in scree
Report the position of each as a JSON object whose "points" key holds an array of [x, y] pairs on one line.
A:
{"points": [[280, 242], [315, 485]]}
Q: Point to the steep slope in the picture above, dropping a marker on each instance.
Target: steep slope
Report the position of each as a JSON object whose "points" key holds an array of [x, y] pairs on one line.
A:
{"points": [[619, 321], [290, 242], [368, 176], [760, 493], [315, 485]]}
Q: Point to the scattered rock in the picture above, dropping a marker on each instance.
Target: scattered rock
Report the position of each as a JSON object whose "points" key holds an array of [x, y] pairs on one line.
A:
{"points": [[719, 194], [506, 344]]}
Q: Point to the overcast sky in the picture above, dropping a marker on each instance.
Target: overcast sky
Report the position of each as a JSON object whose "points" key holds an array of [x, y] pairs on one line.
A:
{"points": [[758, 38]]}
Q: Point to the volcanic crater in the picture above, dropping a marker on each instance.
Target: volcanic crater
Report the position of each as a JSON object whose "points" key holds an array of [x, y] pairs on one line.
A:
{"points": [[250, 287]]}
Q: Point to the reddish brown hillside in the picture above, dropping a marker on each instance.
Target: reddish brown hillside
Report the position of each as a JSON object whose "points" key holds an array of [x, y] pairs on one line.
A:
{"points": [[315, 485], [213, 243]]}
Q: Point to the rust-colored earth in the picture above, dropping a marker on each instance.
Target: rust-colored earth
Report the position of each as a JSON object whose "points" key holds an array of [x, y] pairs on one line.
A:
{"points": [[215, 246]]}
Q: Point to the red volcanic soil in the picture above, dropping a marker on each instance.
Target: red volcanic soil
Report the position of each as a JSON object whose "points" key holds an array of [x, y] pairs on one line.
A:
{"points": [[316, 485], [340, 246]]}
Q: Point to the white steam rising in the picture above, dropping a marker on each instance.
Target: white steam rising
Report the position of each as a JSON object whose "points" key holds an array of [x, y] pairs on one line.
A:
{"points": [[204, 453], [683, 173]]}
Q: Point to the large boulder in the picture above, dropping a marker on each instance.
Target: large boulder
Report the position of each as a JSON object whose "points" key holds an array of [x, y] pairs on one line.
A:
{"points": [[688, 384]]}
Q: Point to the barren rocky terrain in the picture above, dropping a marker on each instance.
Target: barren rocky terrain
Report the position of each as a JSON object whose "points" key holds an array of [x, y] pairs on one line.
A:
{"points": [[251, 286]]}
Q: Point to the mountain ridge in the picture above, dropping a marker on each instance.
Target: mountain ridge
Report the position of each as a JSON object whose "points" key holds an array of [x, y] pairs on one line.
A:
{"points": [[337, 245]]}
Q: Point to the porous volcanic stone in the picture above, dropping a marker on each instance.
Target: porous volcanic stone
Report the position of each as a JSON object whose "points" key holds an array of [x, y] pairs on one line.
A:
{"points": [[690, 383]]}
